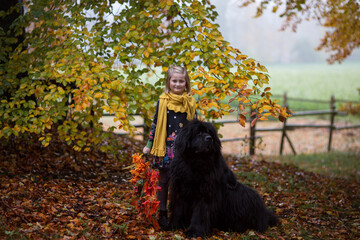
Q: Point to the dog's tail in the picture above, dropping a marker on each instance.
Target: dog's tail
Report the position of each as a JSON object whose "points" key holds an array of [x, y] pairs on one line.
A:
{"points": [[273, 219]]}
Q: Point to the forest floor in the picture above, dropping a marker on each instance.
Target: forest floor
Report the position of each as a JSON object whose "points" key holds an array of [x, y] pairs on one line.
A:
{"points": [[57, 193]]}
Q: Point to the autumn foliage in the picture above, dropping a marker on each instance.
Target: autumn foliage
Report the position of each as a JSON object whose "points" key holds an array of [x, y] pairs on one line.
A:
{"points": [[55, 192], [145, 184], [77, 60]]}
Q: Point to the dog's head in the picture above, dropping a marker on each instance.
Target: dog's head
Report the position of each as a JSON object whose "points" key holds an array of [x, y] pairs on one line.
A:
{"points": [[198, 137]]}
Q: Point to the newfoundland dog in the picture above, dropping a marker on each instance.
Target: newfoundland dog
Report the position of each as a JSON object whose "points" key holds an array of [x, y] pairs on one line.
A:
{"points": [[204, 192]]}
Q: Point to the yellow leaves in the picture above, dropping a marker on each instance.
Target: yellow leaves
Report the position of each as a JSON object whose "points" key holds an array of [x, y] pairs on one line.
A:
{"points": [[82, 105], [61, 91], [275, 8], [242, 120], [207, 24], [196, 22], [267, 107], [225, 87], [242, 107], [176, 23], [263, 118], [214, 71], [267, 89], [23, 85], [230, 48], [147, 52], [193, 55], [98, 95], [47, 97], [11, 104], [133, 27], [17, 128], [240, 57], [261, 68], [167, 2], [219, 38], [262, 76]]}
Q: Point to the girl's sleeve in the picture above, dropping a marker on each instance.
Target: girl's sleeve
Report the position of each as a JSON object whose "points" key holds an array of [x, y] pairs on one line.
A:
{"points": [[153, 128]]}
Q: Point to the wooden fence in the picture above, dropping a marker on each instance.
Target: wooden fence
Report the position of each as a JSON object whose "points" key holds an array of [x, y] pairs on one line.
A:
{"points": [[332, 112]]}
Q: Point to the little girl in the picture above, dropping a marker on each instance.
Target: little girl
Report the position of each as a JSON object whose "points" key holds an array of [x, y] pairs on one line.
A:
{"points": [[173, 109]]}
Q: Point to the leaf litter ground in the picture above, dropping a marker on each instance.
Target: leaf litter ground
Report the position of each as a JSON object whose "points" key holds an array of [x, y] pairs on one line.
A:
{"points": [[55, 192]]}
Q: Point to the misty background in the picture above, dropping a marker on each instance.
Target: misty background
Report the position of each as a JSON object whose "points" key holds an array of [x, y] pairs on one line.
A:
{"points": [[261, 38]]}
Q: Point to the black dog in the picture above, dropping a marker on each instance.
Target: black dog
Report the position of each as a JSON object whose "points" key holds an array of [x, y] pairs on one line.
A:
{"points": [[204, 192]]}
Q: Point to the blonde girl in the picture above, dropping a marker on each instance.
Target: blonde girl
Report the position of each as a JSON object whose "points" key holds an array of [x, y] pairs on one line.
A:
{"points": [[175, 107]]}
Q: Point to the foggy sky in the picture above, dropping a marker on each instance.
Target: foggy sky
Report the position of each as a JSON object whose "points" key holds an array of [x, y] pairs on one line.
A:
{"points": [[261, 38]]}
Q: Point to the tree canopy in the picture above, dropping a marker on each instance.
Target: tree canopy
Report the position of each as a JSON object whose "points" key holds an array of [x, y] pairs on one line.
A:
{"points": [[341, 18], [64, 63]]}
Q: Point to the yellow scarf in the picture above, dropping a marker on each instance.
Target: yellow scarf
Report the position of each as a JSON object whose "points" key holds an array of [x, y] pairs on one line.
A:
{"points": [[177, 103]]}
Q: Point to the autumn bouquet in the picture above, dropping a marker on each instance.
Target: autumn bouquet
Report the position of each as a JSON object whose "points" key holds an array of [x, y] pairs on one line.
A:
{"points": [[145, 180]]}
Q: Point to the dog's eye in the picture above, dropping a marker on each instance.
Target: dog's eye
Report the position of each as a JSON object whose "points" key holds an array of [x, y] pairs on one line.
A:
{"points": [[207, 138]]}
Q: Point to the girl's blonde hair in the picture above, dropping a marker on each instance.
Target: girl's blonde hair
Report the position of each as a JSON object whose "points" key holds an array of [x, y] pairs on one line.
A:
{"points": [[177, 69]]}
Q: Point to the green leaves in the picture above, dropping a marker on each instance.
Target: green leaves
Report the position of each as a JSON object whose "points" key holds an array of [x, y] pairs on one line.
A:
{"points": [[80, 59]]}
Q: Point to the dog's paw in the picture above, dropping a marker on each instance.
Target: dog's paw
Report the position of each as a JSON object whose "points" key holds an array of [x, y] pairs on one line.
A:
{"points": [[164, 224], [175, 226], [191, 233]]}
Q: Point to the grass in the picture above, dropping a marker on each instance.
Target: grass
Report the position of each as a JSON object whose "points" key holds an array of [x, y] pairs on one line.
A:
{"points": [[338, 164], [316, 80]]}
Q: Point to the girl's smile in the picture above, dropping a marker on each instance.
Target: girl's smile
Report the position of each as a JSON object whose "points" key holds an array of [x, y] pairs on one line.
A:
{"points": [[177, 83]]}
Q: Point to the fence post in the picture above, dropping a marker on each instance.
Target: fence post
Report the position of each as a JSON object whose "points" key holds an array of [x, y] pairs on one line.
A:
{"points": [[284, 127], [252, 135], [332, 119]]}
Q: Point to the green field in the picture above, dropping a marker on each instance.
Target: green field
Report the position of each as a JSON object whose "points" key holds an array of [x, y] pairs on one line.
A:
{"points": [[316, 80]]}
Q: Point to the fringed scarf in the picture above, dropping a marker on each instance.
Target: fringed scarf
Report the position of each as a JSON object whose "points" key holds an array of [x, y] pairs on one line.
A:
{"points": [[178, 103]]}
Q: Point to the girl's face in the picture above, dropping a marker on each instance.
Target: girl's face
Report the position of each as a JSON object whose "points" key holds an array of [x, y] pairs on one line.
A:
{"points": [[177, 83]]}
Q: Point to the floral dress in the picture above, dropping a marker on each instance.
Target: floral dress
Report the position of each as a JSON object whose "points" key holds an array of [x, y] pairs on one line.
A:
{"points": [[175, 121]]}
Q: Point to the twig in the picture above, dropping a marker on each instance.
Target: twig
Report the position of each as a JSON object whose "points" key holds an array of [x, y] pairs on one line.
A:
{"points": [[22, 217]]}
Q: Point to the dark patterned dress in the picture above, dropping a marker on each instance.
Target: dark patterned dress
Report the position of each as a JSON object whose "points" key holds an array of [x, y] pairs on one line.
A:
{"points": [[175, 121]]}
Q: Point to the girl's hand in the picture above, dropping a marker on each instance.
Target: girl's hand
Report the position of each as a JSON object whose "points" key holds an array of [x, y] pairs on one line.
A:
{"points": [[146, 150]]}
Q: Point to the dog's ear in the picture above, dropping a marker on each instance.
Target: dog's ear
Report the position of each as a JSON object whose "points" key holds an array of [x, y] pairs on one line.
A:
{"points": [[214, 135], [182, 140]]}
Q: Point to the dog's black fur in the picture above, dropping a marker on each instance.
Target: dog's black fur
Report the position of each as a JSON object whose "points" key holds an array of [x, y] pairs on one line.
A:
{"points": [[204, 192]]}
